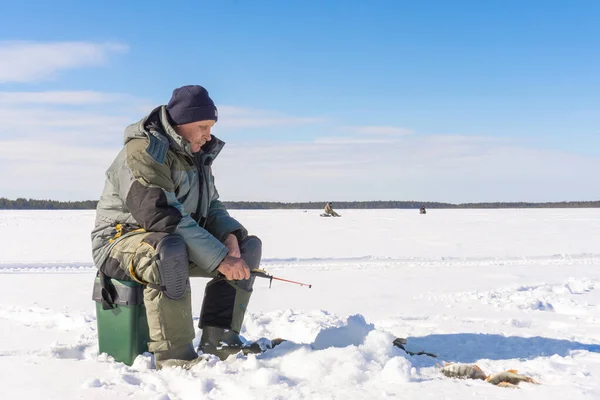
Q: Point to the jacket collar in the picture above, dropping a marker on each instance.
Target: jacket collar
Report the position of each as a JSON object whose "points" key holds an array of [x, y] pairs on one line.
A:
{"points": [[210, 149], [157, 124]]}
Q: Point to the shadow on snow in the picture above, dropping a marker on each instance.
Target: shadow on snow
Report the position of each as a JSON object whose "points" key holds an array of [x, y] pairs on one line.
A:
{"points": [[470, 347]]}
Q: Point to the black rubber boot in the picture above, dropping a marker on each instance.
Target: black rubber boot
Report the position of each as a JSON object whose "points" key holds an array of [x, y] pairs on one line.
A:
{"points": [[225, 302], [224, 342]]}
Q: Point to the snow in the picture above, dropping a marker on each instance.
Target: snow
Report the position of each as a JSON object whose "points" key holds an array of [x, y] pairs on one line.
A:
{"points": [[505, 289]]}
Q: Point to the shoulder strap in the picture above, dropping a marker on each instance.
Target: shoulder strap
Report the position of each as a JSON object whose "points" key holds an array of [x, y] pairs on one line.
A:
{"points": [[107, 297]]}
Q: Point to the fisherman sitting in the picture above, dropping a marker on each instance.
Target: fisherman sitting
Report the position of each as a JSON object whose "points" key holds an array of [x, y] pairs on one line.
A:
{"points": [[329, 210]]}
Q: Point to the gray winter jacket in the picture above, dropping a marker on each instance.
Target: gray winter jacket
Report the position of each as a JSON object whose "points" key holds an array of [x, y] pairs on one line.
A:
{"points": [[156, 184]]}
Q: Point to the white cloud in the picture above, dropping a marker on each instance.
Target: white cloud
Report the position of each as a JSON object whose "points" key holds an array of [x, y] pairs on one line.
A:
{"points": [[379, 130], [58, 145], [350, 140], [50, 154], [442, 168], [366, 135], [34, 61], [48, 170], [239, 117], [61, 98], [78, 117]]}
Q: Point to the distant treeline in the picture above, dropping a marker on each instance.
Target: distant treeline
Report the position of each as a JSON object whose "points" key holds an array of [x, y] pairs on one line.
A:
{"points": [[31, 204]]}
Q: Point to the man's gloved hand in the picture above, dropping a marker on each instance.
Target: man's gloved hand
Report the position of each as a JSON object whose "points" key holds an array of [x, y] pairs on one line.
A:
{"points": [[234, 268]]}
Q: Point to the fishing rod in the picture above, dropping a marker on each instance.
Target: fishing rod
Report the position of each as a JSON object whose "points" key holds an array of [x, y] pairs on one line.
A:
{"points": [[261, 273]]}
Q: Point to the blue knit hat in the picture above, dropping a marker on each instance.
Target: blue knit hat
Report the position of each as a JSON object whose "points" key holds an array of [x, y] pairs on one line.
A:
{"points": [[190, 104]]}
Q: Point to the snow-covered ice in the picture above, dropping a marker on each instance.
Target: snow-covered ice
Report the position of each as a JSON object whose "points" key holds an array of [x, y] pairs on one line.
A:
{"points": [[505, 289]]}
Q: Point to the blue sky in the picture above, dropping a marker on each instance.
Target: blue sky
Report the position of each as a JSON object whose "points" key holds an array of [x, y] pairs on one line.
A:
{"points": [[454, 101]]}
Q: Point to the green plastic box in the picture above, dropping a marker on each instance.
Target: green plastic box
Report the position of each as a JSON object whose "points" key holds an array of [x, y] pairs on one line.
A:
{"points": [[123, 329]]}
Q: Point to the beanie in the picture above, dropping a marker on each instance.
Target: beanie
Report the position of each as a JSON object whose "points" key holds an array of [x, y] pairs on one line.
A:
{"points": [[191, 103]]}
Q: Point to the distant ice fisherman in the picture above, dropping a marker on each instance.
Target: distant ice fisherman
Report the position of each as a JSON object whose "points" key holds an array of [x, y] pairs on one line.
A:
{"points": [[329, 211]]}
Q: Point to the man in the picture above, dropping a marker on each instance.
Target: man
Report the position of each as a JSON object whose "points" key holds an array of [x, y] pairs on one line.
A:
{"points": [[159, 222], [329, 210]]}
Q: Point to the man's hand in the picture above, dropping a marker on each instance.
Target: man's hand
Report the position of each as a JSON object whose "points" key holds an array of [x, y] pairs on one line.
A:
{"points": [[232, 244], [234, 268]]}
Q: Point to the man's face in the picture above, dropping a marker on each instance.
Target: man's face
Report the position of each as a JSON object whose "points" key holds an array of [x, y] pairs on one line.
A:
{"points": [[197, 133]]}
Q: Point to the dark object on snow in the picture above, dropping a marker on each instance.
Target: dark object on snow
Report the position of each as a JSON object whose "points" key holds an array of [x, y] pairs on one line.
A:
{"points": [[400, 342], [422, 210]]}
